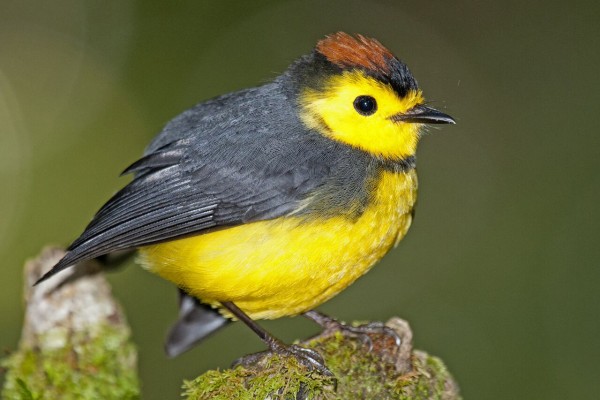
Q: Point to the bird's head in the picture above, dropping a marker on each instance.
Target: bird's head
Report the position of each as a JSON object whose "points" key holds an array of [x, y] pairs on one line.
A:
{"points": [[354, 90]]}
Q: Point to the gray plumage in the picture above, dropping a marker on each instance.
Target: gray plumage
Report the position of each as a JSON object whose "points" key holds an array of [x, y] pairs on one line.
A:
{"points": [[238, 158]]}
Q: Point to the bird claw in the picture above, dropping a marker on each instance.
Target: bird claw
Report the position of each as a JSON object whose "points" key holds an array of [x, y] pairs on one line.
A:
{"points": [[362, 332], [378, 328], [309, 358]]}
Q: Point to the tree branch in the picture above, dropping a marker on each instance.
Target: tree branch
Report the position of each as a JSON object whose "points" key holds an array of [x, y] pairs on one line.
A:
{"points": [[372, 367], [75, 342]]}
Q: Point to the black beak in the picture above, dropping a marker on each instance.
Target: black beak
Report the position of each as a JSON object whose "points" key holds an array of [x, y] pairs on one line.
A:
{"points": [[423, 115]]}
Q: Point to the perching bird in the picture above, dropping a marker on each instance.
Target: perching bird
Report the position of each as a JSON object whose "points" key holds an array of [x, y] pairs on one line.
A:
{"points": [[269, 201]]}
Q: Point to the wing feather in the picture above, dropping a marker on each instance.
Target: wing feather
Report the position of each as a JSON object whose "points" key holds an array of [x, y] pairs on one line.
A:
{"points": [[223, 163]]}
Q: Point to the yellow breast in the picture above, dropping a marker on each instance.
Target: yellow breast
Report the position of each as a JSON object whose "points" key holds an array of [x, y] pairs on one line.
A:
{"points": [[288, 265]]}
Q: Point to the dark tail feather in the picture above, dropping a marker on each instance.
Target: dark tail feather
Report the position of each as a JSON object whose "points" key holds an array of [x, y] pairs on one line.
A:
{"points": [[64, 263], [72, 257], [196, 322]]}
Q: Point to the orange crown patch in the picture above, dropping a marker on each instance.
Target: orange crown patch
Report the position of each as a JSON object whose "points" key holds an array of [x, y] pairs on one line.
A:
{"points": [[345, 50]]}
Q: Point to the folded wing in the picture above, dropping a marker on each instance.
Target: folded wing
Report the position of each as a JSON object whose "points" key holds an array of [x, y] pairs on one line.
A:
{"points": [[173, 196]]}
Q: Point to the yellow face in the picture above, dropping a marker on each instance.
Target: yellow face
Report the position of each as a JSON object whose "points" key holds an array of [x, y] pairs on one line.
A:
{"points": [[343, 111]]}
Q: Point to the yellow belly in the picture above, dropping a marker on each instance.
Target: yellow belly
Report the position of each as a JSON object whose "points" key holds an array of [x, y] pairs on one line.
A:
{"points": [[289, 265]]}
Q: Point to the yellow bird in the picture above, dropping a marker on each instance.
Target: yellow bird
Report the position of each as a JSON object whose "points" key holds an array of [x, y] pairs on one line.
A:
{"points": [[269, 201]]}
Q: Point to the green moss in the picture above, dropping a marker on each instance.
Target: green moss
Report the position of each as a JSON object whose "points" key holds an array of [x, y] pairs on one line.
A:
{"points": [[85, 368], [275, 377], [360, 373], [429, 380]]}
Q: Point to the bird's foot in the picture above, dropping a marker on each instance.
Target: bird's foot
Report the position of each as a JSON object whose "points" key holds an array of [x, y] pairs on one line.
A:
{"points": [[362, 332], [306, 357], [309, 358]]}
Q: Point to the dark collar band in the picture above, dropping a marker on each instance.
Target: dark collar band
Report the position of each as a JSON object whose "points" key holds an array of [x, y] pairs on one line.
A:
{"points": [[402, 165]]}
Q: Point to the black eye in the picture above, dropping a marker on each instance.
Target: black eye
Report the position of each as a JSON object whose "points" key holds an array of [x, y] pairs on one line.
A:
{"points": [[365, 105]]}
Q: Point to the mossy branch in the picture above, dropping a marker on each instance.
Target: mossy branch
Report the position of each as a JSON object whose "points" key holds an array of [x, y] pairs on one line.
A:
{"points": [[76, 345], [372, 367], [75, 342]]}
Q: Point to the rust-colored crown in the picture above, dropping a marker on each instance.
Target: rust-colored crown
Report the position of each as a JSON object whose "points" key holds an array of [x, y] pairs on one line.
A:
{"points": [[345, 50]]}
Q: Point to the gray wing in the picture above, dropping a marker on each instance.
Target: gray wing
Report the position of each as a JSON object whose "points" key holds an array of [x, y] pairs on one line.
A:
{"points": [[199, 181], [167, 200]]}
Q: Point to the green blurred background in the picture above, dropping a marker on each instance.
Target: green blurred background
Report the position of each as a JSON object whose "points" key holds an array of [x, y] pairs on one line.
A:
{"points": [[499, 273]]}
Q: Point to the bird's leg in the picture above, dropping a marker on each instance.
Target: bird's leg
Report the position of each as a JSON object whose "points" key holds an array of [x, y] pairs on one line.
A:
{"points": [[330, 325], [307, 357]]}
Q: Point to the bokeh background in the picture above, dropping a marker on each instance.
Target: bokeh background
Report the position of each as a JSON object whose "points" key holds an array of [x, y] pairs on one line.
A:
{"points": [[499, 275]]}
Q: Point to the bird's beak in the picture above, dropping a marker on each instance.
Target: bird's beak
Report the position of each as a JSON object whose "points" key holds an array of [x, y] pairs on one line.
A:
{"points": [[423, 115]]}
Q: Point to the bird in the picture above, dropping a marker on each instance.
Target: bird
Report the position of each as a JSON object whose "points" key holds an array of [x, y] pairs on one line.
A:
{"points": [[266, 202]]}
